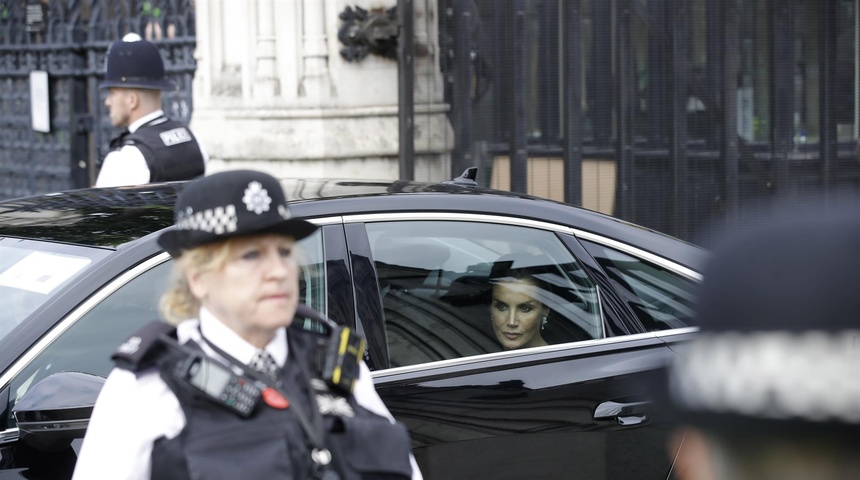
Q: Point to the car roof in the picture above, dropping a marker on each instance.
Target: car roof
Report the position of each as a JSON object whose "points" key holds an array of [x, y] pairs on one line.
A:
{"points": [[109, 217], [101, 217]]}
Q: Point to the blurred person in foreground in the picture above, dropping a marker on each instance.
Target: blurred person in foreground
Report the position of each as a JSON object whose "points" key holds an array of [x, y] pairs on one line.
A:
{"points": [[237, 386], [151, 147], [770, 388]]}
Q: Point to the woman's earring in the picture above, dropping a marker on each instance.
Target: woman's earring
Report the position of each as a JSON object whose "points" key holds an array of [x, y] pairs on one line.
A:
{"points": [[543, 322]]}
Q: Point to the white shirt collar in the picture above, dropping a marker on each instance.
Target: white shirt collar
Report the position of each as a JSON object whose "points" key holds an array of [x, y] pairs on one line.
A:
{"points": [[229, 341], [146, 118]]}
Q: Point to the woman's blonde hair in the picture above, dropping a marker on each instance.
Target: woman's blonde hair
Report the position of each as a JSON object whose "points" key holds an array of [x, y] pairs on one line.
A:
{"points": [[178, 303]]}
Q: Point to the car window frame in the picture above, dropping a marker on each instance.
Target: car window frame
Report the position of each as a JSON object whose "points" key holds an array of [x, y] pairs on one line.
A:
{"points": [[578, 253], [631, 250], [364, 251], [615, 301], [662, 265]]}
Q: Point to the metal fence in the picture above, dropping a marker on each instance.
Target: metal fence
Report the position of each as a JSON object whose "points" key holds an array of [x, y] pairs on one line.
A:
{"points": [[674, 114], [67, 40]]}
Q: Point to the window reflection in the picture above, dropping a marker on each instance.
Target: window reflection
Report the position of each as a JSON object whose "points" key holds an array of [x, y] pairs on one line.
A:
{"points": [[446, 286], [661, 299]]}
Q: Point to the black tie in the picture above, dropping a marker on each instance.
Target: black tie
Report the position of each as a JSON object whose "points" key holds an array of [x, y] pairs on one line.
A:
{"points": [[264, 363]]}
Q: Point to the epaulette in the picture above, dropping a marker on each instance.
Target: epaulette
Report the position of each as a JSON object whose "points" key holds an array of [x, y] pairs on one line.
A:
{"points": [[119, 140], [143, 347]]}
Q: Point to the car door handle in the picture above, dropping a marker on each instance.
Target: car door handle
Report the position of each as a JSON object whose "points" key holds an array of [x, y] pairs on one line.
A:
{"points": [[629, 413]]}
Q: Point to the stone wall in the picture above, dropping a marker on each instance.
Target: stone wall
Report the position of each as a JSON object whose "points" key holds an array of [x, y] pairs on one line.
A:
{"points": [[272, 91]]}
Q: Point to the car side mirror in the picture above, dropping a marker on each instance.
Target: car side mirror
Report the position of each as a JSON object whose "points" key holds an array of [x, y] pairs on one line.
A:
{"points": [[57, 410]]}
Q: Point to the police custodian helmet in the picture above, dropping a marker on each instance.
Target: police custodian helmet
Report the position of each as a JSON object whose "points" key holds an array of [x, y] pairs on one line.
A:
{"points": [[779, 345], [228, 204], [135, 63]]}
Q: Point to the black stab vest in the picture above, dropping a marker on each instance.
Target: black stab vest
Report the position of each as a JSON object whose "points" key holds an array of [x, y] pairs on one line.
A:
{"points": [[170, 149], [218, 444]]}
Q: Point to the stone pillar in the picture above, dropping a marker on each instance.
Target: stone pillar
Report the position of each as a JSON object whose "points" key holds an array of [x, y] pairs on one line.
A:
{"points": [[432, 128], [266, 85], [273, 92], [315, 83]]}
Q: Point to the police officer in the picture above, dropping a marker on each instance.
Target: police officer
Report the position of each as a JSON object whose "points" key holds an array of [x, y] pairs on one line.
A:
{"points": [[151, 148], [239, 388], [770, 389]]}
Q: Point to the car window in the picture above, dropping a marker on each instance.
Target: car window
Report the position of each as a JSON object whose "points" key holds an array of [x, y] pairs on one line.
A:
{"points": [[31, 272], [661, 298], [440, 302], [86, 346]]}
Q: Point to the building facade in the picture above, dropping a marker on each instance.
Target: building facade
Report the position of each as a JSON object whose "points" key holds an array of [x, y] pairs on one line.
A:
{"points": [[273, 90]]}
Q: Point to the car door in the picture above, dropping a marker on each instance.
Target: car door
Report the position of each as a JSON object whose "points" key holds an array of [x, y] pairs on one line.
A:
{"points": [[573, 408]]}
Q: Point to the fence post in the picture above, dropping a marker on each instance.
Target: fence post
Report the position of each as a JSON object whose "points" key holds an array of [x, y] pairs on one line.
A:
{"points": [[462, 87], [519, 98], [405, 90], [826, 86], [731, 70], [782, 91], [625, 93], [680, 178], [572, 88]]}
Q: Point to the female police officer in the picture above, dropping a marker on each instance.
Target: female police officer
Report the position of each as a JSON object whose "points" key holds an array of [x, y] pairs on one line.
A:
{"points": [[189, 403]]}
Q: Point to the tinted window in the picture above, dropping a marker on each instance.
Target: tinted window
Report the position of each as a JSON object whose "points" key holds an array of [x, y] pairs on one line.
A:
{"points": [[87, 344], [660, 298], [454, 289]]}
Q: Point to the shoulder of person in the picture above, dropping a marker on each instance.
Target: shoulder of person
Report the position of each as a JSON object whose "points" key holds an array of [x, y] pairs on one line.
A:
{"points": [[144, 347], [119, 140]]}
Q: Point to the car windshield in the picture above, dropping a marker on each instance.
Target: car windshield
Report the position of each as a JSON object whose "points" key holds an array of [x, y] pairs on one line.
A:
{"points": [[31, 272]]}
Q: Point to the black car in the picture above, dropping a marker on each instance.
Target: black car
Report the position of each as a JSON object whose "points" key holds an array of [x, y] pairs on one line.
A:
{"points": [[404, 263]]}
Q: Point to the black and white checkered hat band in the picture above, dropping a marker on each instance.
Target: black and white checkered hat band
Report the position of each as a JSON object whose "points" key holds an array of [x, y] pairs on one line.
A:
{"points": [[811, 376], [218, 220]]}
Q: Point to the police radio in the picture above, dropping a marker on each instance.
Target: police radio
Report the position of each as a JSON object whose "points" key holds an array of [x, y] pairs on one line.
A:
{"points": [[218, 383], [340, 368]]}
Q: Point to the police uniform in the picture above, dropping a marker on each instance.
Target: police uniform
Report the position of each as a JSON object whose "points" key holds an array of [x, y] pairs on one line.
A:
{"points": [[779, 332], [149, 422], [139, 428], [774, 365], [153, 148]]}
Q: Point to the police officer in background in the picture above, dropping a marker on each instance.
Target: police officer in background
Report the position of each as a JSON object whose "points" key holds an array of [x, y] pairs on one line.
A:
{"points": [[249, 384], [770, 387], [151, 148]]}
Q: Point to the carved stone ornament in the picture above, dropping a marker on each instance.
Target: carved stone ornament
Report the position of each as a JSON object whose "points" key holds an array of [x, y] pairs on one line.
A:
{"points": [[364, 32]]}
